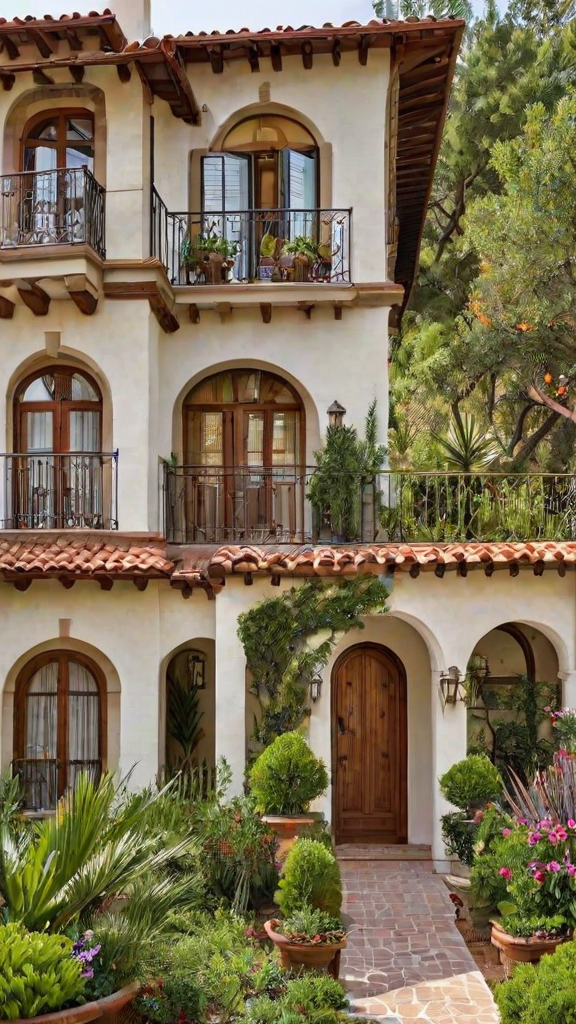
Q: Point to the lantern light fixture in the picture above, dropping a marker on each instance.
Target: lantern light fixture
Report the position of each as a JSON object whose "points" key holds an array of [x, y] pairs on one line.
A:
{"points": [[450, 686], [336, 414], [315, 688]]}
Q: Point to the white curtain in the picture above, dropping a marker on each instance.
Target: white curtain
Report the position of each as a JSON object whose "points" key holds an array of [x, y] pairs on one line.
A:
{"points": [[83, 722]]}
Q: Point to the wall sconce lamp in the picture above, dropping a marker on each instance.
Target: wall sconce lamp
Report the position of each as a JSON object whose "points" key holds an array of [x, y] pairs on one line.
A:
{"points": [[336, 414], [450, 686], [196, 665], [315, 688]]}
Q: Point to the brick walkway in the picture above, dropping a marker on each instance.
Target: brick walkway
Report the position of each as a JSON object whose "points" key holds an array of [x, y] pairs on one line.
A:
{"points": [[405, 959]]}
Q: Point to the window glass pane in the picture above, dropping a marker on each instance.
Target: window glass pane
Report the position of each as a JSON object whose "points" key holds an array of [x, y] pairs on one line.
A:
{"points": [[45, 130], [39, 432], [84, 431], [41, 713], [285, 438], [215, 389], [249, 386], [274, 390], [79, 129], [79, 156], [39, 390], [82, 390], [205, 442], [83, 714], [254, 438], [40, 158]]}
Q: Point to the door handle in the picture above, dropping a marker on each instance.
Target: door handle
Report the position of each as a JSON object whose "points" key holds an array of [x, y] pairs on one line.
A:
{"points": [[341, 725]]}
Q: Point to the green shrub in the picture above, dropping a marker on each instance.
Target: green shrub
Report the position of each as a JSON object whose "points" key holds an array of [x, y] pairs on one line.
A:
{"points": [[459, 835], [471, 782], [541, 994], [287, 776], [37, 973], [511, 851], [311, 998], [310, 876], [310, 924]]}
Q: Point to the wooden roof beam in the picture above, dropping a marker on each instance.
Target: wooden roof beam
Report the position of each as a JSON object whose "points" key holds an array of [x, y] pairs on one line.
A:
{"points": [[73, 39], [11, 48], [34, 297], [41, 78], [336, 53], [276, 56], [41, 42], [216, 57], [307, 51], [77, 72], [6, 308], [254, 58], [124, 73], [363, 47], [7, 81]]}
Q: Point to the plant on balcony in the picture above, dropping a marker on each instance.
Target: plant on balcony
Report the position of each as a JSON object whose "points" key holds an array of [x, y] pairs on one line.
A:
{"points": [[210, 256], [300, 255], [343, 490], [270, 249], [288, 640]]}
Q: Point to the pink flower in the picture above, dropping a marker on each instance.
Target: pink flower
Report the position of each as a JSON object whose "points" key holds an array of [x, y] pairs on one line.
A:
{"points": [[506, 831], [571, 869], [534, 838], [561, 833], [553, 867], [539, 877], [552, 838], [571, 823], [478, 817], [506, 873]]}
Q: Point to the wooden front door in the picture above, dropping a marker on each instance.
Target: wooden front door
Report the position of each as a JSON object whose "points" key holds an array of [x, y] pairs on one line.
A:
{"points": [[369, 747]]}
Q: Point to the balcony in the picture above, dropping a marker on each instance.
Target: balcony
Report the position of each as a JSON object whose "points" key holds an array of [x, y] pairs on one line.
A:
{"points": [[52, 491], [61, 207], [253, 505], [42, 779], [252, 246]]}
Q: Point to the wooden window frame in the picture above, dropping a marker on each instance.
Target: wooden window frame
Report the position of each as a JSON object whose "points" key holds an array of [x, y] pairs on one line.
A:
{"points": [[62, 658], [61, 409], [60, 114]]}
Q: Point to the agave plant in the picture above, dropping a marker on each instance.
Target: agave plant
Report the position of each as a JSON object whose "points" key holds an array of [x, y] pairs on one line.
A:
{"points": [[93, 849], [550, 797], [466, 447]]}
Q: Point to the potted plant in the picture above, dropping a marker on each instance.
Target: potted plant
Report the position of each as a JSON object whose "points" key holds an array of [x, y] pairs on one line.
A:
{"points": [[284, 780], [309, 939], [298, 257], [521, 939], [270, 249], [210, 256], [469, 785]]}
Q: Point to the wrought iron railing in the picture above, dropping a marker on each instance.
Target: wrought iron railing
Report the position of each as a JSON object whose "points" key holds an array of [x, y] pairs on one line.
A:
{"points": [[215, 504], [43, 780], [48, 490], [220, 247], [59, 207]]}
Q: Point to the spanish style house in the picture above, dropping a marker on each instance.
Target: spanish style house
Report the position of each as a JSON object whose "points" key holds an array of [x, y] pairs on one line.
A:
{"points": [[205, 241]]}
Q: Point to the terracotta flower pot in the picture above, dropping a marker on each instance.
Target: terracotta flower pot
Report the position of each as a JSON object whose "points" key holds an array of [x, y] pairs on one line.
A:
{"points": [[315, 957], [287, 829], [517, 950], [107, 1010], [113, 1008]]}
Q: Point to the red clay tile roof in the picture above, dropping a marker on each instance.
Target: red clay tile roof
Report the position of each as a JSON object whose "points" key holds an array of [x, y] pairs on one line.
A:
{"points": [[43, 32], [218, 562], [82, 555]]}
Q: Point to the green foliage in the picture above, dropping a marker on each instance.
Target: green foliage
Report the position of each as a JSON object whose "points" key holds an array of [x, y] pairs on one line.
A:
{"points": [[543, 993], [467, 447], [94, 848], [315, 998], [302, 246], [440, 9], [512, 740], [184, 715], [459, 835], [310, 876], [10, 799], [510, 851], [471, 782], [497, 245], [287, 776], [37, 973], [345, 467], [524, 927], [312, 925], [280, 640]]}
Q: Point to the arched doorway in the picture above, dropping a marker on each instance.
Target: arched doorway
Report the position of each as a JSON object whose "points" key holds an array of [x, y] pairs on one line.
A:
{"points": [[59, 725], [243, 438], [369, 746]]}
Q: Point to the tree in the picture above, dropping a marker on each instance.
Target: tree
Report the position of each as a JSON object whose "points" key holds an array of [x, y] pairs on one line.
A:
{"points": [[420, 8], [447, 360]]}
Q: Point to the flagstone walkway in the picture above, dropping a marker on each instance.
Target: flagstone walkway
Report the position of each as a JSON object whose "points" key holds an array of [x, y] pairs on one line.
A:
{"points": [[406, 960]]}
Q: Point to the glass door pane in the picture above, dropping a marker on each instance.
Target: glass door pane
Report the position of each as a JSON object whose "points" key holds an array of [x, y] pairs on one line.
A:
{"points": [[83, 723], [299, 193], [34, 482], [39, 769], [82, 475], [226, 196], [204, 489]]}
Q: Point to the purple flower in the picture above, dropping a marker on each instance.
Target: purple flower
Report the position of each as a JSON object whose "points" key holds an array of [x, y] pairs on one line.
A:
{"points": [[88, 972], [553, 867]]}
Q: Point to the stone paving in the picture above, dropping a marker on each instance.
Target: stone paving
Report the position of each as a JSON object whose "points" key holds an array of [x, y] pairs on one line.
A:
{"points": [[405, 959]]}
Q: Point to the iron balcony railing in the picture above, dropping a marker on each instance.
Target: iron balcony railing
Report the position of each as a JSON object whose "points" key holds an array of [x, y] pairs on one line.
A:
{"points": [[224, 247], [215, 504], [51, 491], [44, 779], [59, 207]]}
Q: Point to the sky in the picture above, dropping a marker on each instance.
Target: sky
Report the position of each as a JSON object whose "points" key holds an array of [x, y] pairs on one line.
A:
{"points": [[194, 15]]}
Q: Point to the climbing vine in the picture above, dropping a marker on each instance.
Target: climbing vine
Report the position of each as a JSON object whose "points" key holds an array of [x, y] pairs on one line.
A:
{"points": [[288, 639]]}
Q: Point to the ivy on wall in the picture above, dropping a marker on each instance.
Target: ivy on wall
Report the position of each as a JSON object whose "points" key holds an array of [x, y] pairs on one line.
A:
{"points": [[288, 639]]}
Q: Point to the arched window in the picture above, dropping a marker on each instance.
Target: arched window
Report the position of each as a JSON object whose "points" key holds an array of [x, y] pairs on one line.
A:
{"points": [[62, 138], [243, 439], [58, 725], [57, 426]]}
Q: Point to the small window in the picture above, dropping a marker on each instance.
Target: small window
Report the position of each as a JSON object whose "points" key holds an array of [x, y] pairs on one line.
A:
{"points": [[63, 139]]}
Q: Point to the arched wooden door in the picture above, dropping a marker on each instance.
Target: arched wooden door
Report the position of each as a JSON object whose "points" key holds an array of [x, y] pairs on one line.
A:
{"points": [[369, 746]]}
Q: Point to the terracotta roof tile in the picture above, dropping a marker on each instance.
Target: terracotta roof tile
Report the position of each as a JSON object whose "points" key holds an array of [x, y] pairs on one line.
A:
{"points": [[217, 562], [82, 555]]}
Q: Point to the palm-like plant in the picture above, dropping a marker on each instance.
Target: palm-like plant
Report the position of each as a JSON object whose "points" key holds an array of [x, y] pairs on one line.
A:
{"points": [[420, 8], [94, 848], [466, 447]]}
